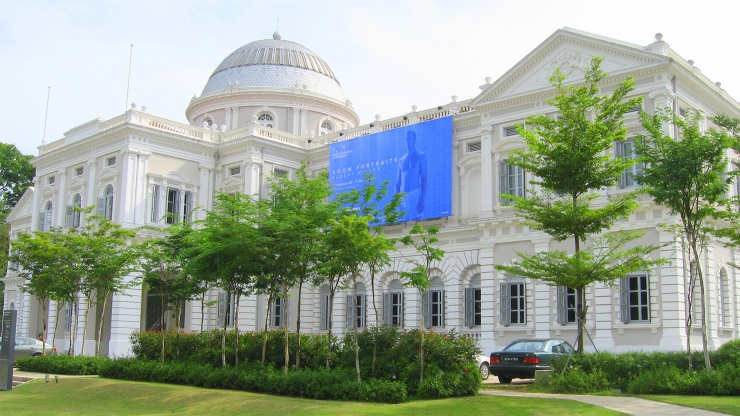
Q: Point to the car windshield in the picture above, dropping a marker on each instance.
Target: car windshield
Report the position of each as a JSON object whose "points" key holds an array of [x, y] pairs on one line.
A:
{"points": [[526, 346]]}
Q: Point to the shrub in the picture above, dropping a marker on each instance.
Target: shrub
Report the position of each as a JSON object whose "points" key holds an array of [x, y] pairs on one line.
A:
{"points": [[61, 364], [577, 381]]}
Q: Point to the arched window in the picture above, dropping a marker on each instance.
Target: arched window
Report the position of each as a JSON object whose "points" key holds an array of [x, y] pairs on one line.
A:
{"points": [[473, 303], [356, 308], [45, 217], [393, 303], [266, 120], [76, 214], [108, 203], [433, 302], [326, 128]]}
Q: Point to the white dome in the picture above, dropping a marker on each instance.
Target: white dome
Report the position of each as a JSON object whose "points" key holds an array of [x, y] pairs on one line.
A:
{"points": [[275, 63]]}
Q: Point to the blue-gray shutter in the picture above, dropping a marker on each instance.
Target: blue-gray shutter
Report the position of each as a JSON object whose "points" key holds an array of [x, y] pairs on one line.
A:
{"points": [[444, 308], [221, 309], [505, 308], [188, 207], [619, 154], [503, 183], [426, 304], [70, 216], [323, 311], [42, 221], [387, 308], [521, 187], [100, 208], [624, 299], [469, 307], [350, 312], [363, 311], [176, 208], [562, 305]]}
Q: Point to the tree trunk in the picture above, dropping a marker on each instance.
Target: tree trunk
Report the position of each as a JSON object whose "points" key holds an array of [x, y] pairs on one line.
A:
{"points": [[267, 320], [357, 341], [56, 324], [99, 336], [236, 332], [286, 320], [88, 297], [202, 323], [421, 347], [329, 308], [377, 319], [298, 328], [45, 323], [75, 326]]}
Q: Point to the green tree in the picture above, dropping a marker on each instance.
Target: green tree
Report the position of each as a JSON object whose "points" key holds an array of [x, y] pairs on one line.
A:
{"points": [[568, 156], [297, 214], [16, 174], [43, 259], [233, 251], [422, 241], [366, 202], [685, 172]]}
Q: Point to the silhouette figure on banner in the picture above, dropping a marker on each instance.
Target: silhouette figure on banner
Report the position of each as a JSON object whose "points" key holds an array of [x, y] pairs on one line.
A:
{"points": [[412, 179]]}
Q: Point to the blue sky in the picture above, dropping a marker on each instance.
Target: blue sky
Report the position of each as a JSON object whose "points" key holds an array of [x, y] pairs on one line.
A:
{"points": [[388, 55]]}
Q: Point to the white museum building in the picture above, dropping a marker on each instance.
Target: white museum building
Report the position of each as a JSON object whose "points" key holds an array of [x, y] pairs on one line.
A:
{"points": [[274, 104]]}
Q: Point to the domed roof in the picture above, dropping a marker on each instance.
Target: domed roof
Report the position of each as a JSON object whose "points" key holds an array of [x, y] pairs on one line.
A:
{"points": [[275, 63]]}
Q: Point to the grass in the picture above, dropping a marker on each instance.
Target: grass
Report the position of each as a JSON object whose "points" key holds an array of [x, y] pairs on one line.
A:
{"points": [[722, 404], [96, 396]]}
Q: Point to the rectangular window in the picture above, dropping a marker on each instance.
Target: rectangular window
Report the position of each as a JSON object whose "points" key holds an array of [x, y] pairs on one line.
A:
{"points": [[434, 308], [725, 303], [635, 298], [472, 307], [280, 173], [513, 304], [278, 312], [68, 317], [173, 205], [79, 171], [566, 305], [187, 211], [473, 147], [154, 201], [111, 161], [510, 131], [511, 180], [235, 170], [50, 180], [626, 150], [355, 311], [393, 303]]}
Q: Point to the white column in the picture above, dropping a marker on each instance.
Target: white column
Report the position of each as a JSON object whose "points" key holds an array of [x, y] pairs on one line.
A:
{"points": [[487, 293], [140, 188], [92, 188], [35, 205], [126, 187], [487, 194], [205, 195], [542, 305], [125, 318], [61, 203], [252, 168], [672, 294]]}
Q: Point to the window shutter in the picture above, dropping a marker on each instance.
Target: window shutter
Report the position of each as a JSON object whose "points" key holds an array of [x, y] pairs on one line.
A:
{"points": [[520, 191], [387, 309], [350, 318], [503, 187], [444, 307], [42, 221], [286, 312], [323, 311], [176, 209], [403, 310], [221, 308], [100, 208], [469, 307], [70, 215], [562, 305], [426, 304], [624, 300], [188, 207], [363, 311], [505, 309], [619, 154]]}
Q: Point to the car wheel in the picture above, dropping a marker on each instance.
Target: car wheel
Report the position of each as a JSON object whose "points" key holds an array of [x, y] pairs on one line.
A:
{"points": [[504, 380], [38, 354], [484, 370]]}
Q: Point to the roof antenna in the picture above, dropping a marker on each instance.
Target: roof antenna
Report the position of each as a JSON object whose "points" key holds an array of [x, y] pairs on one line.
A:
{"points": [[128, 82], [46, 116]]}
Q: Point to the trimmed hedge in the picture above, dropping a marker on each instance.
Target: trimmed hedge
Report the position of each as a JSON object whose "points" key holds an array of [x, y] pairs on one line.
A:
{"points": [[649, 373], [61, 364], [386, 354], [337, 384]]}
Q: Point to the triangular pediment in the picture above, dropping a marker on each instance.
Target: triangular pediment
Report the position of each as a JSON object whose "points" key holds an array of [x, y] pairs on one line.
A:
{"points": [[23, 207], [571, 51]]}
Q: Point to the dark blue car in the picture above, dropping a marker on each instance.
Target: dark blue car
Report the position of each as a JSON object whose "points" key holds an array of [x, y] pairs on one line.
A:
{"points": [[523, 357]]}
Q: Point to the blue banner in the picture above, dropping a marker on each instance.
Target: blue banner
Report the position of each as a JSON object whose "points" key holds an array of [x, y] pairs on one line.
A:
{"points": [[415, 159]]}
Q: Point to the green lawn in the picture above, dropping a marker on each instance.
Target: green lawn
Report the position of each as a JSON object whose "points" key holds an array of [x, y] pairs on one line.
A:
{"points": [[722, 404], [96, 396]]}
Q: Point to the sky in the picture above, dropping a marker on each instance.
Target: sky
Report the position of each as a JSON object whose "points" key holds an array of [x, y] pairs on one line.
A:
{"points": [[64, 63]]}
